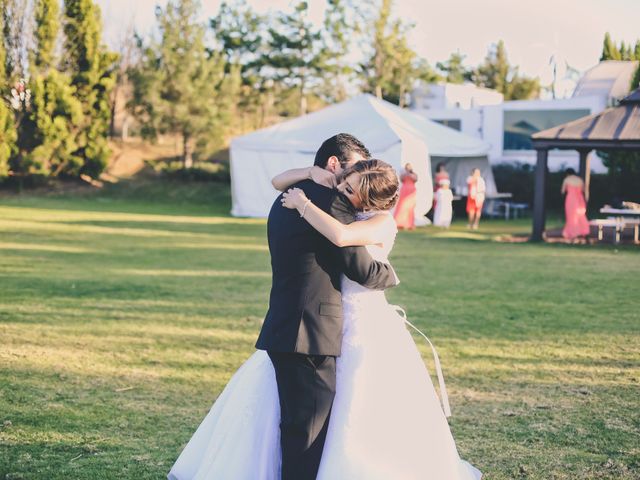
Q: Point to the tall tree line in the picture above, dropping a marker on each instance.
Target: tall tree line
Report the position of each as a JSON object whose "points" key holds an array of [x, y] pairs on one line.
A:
{"points": [[55, 83], [611, 51]]}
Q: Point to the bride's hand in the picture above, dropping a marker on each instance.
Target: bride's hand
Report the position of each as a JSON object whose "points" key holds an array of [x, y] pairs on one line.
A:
{"points": [[323, 177], [294, 198]]}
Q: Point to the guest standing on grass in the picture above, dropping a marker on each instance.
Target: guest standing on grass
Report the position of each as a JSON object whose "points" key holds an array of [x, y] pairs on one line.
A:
{"points": [[443, 210], [441, 174], [475, 199], [575, 207], [404, 214]]}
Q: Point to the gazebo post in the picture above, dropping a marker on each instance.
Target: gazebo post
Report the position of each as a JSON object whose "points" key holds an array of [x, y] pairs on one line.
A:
{"points": [[538, 199], [585, 171]]}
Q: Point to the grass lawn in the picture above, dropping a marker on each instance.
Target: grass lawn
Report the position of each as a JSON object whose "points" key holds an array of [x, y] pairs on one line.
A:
{"points": [[123, 315]]}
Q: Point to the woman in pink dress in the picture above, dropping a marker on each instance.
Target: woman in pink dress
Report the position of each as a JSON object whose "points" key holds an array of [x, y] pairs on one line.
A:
{"points": [[404, 214], [575, 207]]}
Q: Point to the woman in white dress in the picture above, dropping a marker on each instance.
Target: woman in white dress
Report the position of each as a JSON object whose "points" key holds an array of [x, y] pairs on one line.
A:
{"points": [[386, 421], [444, 211]]}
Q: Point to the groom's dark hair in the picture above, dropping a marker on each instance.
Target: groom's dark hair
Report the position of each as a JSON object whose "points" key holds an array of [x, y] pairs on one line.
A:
{"points": [[341, 146]]}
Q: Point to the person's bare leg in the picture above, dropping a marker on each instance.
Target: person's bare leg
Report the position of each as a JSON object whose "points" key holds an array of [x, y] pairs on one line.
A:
{"points": [[477, 220]]}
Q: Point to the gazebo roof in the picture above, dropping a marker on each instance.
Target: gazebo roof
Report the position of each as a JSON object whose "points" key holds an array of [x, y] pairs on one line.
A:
{"points": [[614, 128]]}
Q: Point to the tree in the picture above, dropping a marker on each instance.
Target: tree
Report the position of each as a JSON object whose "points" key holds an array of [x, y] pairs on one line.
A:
{"points": [[241, 35], [179, 86], [55, 114], [295, 52], [8, 135], [16, 35], [498, 74], [339, 27], [635, 81], [609, 49], [46, 34], [454, 68], [425, 72], [389, 71], [92, 71]]}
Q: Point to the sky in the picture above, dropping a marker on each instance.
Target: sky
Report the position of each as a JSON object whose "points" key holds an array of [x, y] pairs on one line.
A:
{"points": [[533, 31]]}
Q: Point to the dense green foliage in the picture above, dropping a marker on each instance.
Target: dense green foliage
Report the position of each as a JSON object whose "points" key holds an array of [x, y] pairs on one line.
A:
{"points": [[122, 320], [92, 71], [58, 115], [611, 51], [47, 20], [498, 74], [179, 86]]}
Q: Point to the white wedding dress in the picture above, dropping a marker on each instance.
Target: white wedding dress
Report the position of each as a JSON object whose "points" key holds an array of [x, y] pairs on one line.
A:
{"points": [[386, 422]]}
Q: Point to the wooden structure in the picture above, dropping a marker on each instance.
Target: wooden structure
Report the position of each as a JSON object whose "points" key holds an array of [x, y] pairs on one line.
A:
{"points": [[616, 128]]}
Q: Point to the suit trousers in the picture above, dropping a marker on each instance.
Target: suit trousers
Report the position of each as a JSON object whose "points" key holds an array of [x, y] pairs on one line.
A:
{"points": [[306, 387]]}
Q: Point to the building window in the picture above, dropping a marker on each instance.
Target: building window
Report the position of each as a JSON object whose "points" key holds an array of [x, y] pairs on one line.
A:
{"points": [[451, 123], [519, 125]]}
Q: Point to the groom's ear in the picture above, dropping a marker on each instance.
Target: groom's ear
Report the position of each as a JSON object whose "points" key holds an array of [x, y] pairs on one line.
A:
{"points": [[333, 165]]}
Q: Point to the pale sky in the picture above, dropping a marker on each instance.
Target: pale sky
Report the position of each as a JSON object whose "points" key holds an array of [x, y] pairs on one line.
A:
{"points": [[533, 30]]}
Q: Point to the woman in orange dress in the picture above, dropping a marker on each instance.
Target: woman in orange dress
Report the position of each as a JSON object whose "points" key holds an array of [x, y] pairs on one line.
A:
{"points": [[475, 198], [575, 208], [404, 214]]}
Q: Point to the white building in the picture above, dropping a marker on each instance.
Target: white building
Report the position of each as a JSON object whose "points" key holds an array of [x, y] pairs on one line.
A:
{"points": [[507, 126]]}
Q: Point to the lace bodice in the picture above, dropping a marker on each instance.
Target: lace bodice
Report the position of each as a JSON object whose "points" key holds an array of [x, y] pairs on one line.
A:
{"points": [[360, 303], [377, 252]]}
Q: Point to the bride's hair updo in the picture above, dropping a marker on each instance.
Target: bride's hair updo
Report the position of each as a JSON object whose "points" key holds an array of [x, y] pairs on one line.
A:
{"points": [[379, 186]]}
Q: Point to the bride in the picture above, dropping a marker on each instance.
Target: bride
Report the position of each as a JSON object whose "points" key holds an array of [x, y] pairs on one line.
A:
{"points": [[386, 421]]}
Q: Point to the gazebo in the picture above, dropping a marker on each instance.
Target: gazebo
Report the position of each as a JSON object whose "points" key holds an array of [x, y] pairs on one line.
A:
{"points": [[616, 128]]}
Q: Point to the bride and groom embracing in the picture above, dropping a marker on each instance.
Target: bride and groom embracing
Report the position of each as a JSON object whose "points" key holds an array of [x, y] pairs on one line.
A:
{"points": [[337, 388]]}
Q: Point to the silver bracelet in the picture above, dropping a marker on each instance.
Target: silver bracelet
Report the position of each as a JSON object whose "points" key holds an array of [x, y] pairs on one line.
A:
{"points": [[304, 208]]}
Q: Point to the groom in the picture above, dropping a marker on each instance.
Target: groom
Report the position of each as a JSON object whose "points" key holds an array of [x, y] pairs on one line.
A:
{"points": [[302, 332]]}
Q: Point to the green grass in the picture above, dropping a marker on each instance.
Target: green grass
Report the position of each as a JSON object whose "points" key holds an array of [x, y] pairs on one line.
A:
{"points": [[123, 315]]}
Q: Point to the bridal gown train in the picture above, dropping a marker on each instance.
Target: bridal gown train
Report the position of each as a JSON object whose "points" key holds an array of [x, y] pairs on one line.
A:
{"points": [[386, 422]]}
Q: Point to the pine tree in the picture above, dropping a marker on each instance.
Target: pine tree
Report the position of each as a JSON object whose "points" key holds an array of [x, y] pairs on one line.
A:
{"points": [[498, 74], [454, 68], [242, 34], [15, 31], [92, 72], [390, 70], [8, 134], [494, 72], [179, 87], [46, 34], [609, 49], [635, 82], [55, 113], [337, 32], [295, 52]]}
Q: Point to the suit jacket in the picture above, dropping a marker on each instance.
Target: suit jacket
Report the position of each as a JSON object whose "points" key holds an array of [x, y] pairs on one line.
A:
{"points": [[305, 304]]}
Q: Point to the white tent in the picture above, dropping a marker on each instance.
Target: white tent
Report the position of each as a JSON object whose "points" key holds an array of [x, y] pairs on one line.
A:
{"points": [[391, 134]]}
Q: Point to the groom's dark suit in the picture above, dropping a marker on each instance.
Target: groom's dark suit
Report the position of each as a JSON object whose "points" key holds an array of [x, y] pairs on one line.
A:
{"points": [[302, 331]]}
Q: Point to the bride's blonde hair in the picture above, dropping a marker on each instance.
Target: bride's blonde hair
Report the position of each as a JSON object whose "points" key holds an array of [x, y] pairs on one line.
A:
{"points": [[379, 187]]}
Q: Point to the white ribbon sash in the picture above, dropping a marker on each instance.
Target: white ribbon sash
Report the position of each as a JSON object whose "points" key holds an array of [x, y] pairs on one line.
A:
{"points": [[444, 398]]}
